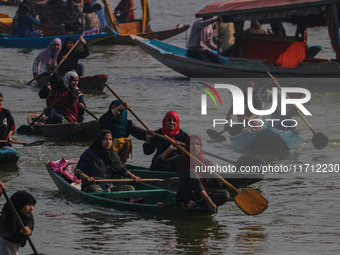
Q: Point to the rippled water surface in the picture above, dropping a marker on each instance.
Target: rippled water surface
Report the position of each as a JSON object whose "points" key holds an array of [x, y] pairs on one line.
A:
{"points": [[302, 217]]}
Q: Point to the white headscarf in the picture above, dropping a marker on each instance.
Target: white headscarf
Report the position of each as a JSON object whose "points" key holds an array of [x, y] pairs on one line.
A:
{"points": [[68, 76]]}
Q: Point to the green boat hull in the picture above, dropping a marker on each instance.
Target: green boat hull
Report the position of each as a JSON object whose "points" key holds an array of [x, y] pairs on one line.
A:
{"points": [[155, 201]]}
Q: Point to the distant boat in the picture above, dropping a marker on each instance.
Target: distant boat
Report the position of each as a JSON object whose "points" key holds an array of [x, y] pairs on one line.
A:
{"points": [[43, 42], [266, 140], [95, 83], [9, 156], [253, 55], [124, 29]]}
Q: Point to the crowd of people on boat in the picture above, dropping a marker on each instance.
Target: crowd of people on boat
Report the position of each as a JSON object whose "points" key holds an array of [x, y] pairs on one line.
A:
{"points": [[74, 17]]}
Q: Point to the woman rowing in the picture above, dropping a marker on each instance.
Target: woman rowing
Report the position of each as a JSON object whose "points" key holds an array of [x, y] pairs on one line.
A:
{"points": [[68, 103], [171, 127], [193, 187], [71, 62], [115, 120], [100, 161], [7, 126], [45, 62]]}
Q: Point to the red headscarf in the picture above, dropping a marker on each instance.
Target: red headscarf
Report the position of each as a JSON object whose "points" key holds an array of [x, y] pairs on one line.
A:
{"points": [[166, 131], [189, 161]]}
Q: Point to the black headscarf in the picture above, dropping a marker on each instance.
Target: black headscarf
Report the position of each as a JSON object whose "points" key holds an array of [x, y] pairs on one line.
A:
{"points": [[10, 226], [109, 156]]}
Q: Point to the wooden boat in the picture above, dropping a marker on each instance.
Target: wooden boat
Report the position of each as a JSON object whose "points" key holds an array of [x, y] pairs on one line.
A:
{"points": [[6, 2], [154, 201], [9, 156], [254, 55], [139, 27], [236, 179], [84, 130], [43, 42], [266, 140], [95, 83]]}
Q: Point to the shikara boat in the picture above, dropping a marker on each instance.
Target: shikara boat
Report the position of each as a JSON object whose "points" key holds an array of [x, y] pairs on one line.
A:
{"points": [[95, 83], [84, 130], [151, 200], [9, 156], [43, 42], [253, 54], [266, 140]]}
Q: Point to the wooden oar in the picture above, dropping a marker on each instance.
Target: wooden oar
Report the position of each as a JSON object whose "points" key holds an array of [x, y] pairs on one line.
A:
{"points": [[249, 201], [24, 143], [18, 219], [85, 109], [128, 180], [62, 60], [242, 161], [319, 140], [217, 136], [121, 100], [27, 129]]}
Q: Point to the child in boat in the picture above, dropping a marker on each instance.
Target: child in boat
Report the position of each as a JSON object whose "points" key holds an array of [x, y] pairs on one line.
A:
{"points": [[7, 126], [193, 187], [170, 127], [12, 236], [99, 161], [115, 120]]}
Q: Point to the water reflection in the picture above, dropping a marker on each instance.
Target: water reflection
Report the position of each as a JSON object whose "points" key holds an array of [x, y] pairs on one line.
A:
{"points": [[251, 240], [8, 171], [197, 235]]}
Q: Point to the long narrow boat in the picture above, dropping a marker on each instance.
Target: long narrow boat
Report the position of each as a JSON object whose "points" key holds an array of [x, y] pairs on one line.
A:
{"points": [[151, 200], [43, 42], [253, 55], [266, 140], [84, 130], [9, 156], [175, 58]]}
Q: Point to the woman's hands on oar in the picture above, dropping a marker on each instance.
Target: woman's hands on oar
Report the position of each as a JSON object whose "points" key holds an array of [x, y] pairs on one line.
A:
{"points": [[319, 140], [249, 201], [62, 60], [18, 219]]}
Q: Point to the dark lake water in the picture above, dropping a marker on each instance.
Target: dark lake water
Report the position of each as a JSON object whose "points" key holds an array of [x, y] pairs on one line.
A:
{"points": [[302, 217]]}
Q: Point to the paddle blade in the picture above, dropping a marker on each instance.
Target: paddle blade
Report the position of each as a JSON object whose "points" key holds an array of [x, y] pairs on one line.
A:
{"points": [[36, 143], [320, 141], [215, 135], [251, 202], [24, 129]]}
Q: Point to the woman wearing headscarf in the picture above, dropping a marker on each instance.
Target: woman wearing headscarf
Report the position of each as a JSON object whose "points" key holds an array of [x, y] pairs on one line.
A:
{"points": [[115, 120], [12, 235], [46, 61], [71, 62], [91, 20], [193, 186], [100, 161], [170, 127], [70, 104]]}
